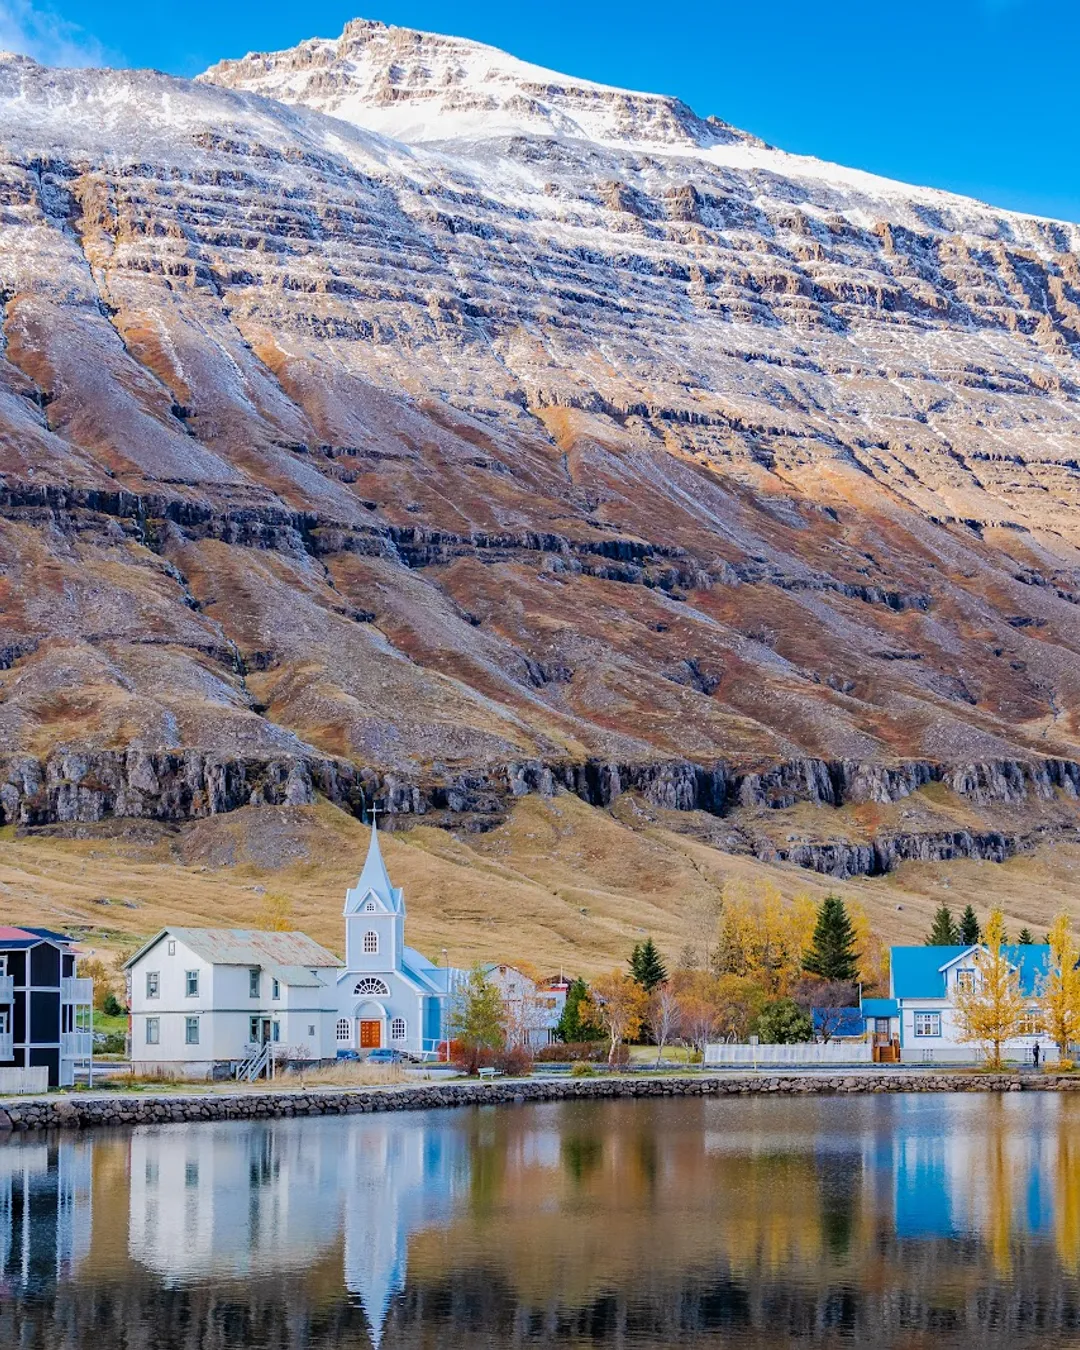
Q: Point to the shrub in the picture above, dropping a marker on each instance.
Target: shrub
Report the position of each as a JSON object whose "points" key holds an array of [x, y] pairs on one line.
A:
{"points": [[783, 1022], [111, 1005], [585, 1052], [516, 1061], [582, 1070]]}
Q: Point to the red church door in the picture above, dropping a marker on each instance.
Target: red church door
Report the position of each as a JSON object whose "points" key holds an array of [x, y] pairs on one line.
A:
{"points": [[370, 1035]]}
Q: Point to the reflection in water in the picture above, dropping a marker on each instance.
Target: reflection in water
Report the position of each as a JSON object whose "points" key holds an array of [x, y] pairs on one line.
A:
{"points": [[899, 1221]]}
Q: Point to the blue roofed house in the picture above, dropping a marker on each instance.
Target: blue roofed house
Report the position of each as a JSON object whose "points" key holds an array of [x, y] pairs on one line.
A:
{"points": [[921, 1010], [389, 995]]}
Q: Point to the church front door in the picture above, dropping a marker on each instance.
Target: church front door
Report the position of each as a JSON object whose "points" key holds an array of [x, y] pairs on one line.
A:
{"points": [[370, 1035]]}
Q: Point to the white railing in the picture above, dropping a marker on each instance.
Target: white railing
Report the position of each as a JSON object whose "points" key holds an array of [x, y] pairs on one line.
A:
{"points": [[7, 989], [76, 1044], [258, 1063], [835, 1052], [7, 1045], [74, 990]]}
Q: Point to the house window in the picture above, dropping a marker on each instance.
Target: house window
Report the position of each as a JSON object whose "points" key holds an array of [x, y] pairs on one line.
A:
{"points": [[153, 1031], [191, 983], [1031, 1023], [927, 1024], [275, 1031], [371, 985], [344, 1029], [311, 1031], [371, 943], [153, 983], [172, 946], [397, 1029], [275, 989], [965, 981], [253, 982], [191, 1031], [253, 1029]]}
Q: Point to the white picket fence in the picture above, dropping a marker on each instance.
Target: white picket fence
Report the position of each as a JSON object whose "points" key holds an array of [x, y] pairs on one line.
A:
{"points": [[762, 1056], [19, 1082]]}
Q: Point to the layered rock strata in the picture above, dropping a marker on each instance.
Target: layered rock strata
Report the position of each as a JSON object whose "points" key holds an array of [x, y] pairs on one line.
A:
{"points": [[389, 417]]}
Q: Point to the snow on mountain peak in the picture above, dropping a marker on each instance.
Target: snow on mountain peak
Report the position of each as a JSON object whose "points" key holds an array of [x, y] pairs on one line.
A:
{"points": [[423, 87]]}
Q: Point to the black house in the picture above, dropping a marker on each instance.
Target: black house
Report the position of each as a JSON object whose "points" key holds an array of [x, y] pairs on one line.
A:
{"points": [[45, 1010]]}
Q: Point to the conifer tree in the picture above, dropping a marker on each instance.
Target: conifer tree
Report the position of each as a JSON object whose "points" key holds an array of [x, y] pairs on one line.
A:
{"points": [[944, 932], [646, 967], [970, 932], [832, 954], [1026, 938], [573, 1025]]}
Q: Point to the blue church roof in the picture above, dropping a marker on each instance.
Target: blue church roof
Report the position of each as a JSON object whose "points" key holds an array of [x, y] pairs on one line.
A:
{"points": [[917, 973]]}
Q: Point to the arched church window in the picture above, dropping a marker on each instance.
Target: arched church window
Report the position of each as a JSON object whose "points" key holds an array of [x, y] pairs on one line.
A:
{"points": [[344, 1029], [371, 985], [397, 1029], [371, 943]]}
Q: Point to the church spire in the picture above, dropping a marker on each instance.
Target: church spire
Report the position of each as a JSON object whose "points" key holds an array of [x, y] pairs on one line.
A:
{"points": [[375, 881]]}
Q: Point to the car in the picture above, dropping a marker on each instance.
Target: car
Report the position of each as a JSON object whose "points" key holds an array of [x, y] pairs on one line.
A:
{"points": [[385, 1056]]}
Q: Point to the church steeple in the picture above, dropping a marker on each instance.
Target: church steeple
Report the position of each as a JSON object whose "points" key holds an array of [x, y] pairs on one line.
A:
{"points": [[374, 883]]}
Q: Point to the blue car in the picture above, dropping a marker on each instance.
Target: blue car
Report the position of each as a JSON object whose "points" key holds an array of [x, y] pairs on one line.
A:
{"points": [[385, 1056]]}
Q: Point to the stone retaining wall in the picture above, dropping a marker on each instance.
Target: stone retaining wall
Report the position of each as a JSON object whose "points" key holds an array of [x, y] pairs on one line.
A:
{"points": [[81, 1112]]}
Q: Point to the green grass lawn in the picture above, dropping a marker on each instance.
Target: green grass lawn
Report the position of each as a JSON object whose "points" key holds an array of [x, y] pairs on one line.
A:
{"points": [[108, 1024]]}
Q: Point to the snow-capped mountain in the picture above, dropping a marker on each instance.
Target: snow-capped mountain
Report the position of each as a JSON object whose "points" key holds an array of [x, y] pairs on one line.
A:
{"points": [[392, 405]]}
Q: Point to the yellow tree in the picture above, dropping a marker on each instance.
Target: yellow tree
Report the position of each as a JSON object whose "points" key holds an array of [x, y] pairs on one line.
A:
{"points": [[1059, 996], [618, 1004], [992, 1010]]}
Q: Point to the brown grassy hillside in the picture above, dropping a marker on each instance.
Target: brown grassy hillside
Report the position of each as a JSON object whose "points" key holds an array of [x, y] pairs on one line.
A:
{"points": [[560, 884]]}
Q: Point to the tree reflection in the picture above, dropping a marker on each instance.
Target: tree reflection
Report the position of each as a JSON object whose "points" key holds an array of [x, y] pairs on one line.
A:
{"points": [[738, 1223]]}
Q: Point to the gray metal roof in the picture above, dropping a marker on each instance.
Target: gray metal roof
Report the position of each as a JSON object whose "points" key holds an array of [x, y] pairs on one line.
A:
{"points": [[282, 952]]}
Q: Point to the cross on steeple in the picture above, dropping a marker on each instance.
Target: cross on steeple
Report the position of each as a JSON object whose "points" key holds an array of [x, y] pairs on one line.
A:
{"points": [[373, 811]]}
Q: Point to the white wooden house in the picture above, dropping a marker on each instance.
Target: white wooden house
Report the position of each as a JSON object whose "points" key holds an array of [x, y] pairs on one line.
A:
{"points": [[920, 1014], [201, 997]]}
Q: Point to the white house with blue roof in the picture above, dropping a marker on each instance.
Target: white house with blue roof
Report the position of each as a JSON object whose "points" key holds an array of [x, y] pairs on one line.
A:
{"points": [[920, 1012], [389, 995]]}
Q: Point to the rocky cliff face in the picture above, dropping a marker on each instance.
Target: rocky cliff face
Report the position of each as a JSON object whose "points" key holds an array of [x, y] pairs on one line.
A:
{"points": [[388, 411]]}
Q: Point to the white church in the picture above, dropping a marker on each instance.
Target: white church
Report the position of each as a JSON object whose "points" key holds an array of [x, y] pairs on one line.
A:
{"points": [[388, 994], [204, 999]]}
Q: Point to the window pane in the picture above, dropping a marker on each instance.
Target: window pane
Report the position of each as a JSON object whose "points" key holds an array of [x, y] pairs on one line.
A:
{"points": [[192, 1030], [192, 983]]}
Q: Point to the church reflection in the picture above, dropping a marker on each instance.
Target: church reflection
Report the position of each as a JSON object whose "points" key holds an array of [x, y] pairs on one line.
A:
{"points": [[685, 1221]]}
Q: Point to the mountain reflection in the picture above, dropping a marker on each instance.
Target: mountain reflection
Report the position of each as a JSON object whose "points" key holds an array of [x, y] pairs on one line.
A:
{"points": [[869, 1221]]}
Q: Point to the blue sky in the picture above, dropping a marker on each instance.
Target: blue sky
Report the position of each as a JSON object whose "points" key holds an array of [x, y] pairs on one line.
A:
{"points": [[976, 96]]}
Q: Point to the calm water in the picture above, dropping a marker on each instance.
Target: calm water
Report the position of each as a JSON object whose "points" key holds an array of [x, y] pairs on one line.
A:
{"points": [[900, 1221]]}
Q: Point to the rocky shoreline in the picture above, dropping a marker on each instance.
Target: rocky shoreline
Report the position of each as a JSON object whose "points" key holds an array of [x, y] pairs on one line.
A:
{"points": [[84, 1112]]}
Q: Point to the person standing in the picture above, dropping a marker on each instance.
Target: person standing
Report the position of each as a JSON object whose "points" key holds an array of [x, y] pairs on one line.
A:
{"points": [[1035, 1052]]}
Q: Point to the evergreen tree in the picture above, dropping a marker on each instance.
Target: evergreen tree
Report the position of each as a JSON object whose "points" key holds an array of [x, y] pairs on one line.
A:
{"points": [[944, 932], [573, 1025], [970, 932], [832, 954], [646, 967], [1026, 937]]}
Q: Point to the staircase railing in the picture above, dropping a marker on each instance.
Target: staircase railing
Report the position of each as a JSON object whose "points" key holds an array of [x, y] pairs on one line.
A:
{"points": [[258, 1064]]}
